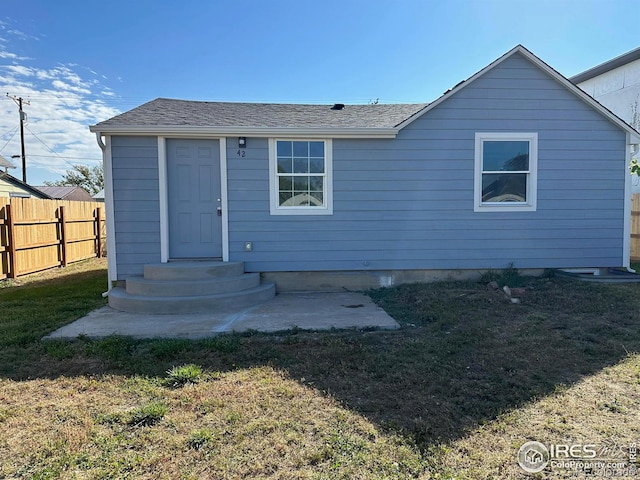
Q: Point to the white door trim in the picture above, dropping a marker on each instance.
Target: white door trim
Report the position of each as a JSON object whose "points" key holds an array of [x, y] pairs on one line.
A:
{"points": [[163, 184], [223, 199], [164, 199]]}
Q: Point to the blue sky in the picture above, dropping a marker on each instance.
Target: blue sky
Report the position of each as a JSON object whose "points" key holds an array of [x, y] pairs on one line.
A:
{"points": [[80, 62]]}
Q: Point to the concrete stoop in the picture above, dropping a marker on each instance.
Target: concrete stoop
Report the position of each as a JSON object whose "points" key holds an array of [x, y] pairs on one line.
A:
{"points": [[191, 287]]}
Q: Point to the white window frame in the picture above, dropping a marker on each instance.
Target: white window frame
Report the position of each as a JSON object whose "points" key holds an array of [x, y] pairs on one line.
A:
{"points": [[274, 187], [532, 173]]}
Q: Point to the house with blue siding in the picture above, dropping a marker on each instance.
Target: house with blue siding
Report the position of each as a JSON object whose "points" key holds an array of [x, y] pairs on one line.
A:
{"points": [[514, 166]]}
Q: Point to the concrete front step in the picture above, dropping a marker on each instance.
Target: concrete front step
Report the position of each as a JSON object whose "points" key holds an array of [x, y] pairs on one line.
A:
{"points": [[119, 299], [189, 288], [192, 270]]}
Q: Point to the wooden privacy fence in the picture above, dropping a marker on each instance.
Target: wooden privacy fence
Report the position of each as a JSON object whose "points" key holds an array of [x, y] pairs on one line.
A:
{"points": [[40, 234]]}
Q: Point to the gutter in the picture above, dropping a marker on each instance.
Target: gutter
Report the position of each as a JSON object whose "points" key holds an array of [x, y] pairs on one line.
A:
{"points": [[108, 203], [192, 131]]}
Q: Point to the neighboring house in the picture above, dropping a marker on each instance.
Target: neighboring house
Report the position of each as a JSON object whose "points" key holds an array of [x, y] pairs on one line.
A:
{"points": [[78, 194], [99, 197], [10, 186], [514, 166], [6, 164], [616, 85]]}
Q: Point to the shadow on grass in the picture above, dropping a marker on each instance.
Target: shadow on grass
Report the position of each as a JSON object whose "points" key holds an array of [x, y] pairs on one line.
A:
{"points": [[464, 354]]}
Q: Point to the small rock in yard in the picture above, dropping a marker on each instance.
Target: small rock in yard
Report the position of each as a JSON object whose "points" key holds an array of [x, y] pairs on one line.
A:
{"points": [[493, 285], [514, 300], [507, 290]]}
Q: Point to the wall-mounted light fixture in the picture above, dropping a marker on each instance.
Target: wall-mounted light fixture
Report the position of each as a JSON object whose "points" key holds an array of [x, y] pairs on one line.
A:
{"points": [[242, 142]]}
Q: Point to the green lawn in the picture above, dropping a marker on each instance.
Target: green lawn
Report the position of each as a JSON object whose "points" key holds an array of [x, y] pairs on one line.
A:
{"points": [[453, 394]]}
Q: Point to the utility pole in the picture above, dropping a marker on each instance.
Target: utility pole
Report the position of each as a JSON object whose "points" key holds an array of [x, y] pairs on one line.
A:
{"points": [[23, 116]]}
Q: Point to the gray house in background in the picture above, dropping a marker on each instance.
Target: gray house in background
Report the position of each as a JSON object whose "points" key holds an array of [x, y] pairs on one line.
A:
{"points": [[514, 166]]}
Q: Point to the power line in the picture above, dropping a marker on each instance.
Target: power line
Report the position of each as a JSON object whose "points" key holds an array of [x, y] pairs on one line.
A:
{"points": [[10, 138], [50, 149], [84, 96], [12, 132], [71, 158]]}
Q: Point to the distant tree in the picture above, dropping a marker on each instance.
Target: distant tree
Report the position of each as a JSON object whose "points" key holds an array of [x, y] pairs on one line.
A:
{"points": [[89, 178]]}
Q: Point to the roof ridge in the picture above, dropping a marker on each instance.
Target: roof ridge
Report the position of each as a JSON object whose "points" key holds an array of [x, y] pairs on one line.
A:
{"points": [[322, 104]]}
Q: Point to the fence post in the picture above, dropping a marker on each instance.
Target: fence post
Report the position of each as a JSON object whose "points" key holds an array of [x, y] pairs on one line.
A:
{"points": [[11, 241], [63, 236], [98, 234]]}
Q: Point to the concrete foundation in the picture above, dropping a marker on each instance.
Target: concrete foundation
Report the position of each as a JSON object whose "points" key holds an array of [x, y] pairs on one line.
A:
{"points": [[365, 280]]}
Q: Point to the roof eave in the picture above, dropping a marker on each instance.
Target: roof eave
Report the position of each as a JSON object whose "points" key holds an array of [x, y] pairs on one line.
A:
{"points": [[607, 66], [633, 135], [207, 131], [20, 184]]}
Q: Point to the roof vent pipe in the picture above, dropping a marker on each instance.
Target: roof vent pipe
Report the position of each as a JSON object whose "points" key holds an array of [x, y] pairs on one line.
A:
{"points": [[337, 106]]}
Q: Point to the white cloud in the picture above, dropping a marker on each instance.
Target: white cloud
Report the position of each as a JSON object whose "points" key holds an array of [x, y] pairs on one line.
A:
{"points": [[60, 85], [64, 99], [13, 56], [19, 70]]}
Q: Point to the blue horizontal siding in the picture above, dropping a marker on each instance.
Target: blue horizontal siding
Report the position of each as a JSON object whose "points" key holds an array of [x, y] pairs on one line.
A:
{"points": [[136, 203], [407, 203]]}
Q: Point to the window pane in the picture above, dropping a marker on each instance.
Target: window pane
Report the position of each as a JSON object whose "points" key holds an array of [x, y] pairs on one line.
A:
{"points": [[285, 165], [316, 149], [285, 197], [284, 149], [509, 187], [301, 165], [505, 155], [316, 165], [315, 183], [301, 183], [316, 198], [286, 183], [300, 149]]}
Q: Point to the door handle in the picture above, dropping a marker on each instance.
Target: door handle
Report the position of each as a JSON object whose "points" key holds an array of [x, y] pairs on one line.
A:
{"points": [[219, 211]]}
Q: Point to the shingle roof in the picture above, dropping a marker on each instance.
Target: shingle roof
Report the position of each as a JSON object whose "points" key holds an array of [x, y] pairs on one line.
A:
{"points": [[66, 193], [25, 186], [4, 163], [168, 112], [166, 116]]}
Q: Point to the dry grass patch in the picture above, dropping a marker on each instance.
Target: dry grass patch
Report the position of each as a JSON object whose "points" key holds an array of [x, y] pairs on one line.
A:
{"points": [[452, 394], [601, 410], [250, 423], [55, 274]]}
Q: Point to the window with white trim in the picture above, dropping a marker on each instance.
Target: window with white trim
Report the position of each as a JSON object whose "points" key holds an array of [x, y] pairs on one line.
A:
{"points": [[301, 182], [506, 172]]}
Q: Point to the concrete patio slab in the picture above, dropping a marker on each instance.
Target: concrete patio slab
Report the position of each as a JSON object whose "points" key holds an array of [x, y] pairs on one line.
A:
{"points": [[307, 311]]}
